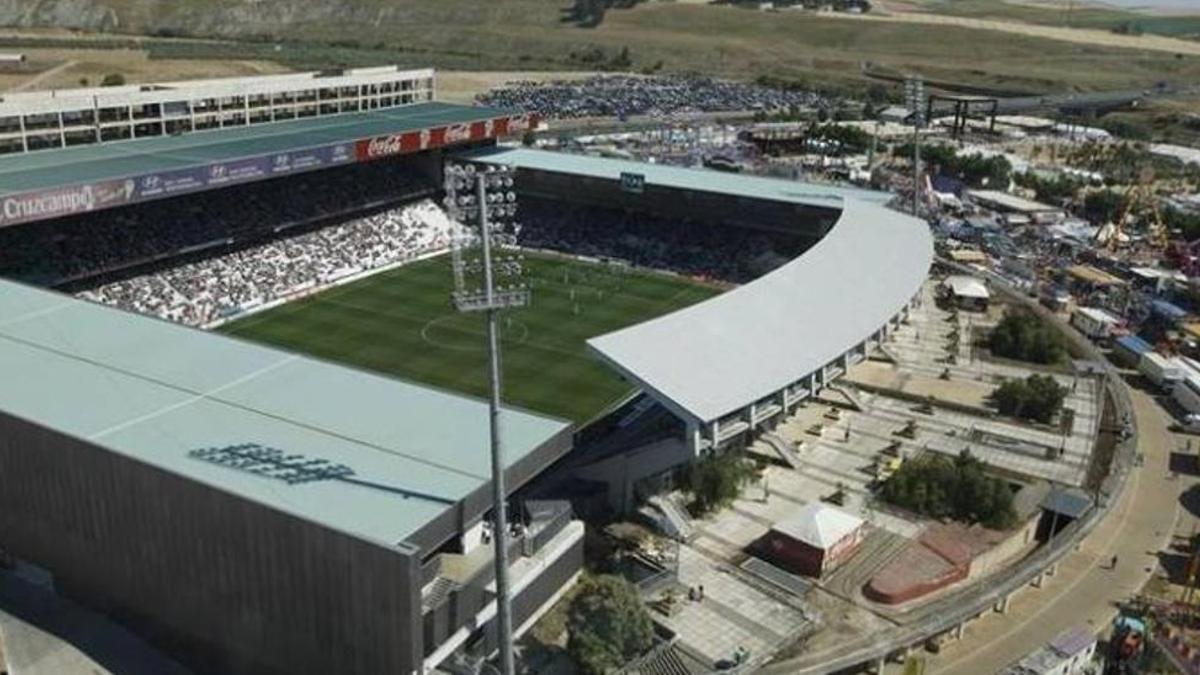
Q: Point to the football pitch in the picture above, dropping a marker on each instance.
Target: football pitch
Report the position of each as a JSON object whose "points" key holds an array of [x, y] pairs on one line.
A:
{"points": [[400, 322]]}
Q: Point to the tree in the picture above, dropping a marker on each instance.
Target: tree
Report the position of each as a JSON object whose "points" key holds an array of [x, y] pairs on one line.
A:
{"points": [[607, 624], [1021, 335], [622, 60], [715, 481], [1053, 190], [1103, 206], [1037, 397], [959, 488], [113, 80]]}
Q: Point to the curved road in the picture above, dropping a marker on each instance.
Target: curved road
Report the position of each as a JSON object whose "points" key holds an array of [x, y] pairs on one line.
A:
{"points": [[1085, 589]]}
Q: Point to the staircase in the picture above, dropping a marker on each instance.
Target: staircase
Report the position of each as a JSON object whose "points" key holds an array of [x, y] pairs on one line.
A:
{"points": [[889, 353], [675, 521], [784, 449], [851, 395], [661, 660], [434, 594]]}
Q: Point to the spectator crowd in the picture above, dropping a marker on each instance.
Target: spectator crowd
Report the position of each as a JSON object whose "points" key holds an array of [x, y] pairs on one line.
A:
{"points": [[624, 96], [77, 248], [702, 250], [200, 292]]}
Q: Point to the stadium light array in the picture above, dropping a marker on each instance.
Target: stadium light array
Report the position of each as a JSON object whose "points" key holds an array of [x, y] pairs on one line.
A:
{"points": [[484, 201]]}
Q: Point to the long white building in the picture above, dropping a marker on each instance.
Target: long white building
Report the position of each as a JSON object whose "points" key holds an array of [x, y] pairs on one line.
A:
{"points": [[59, 118]]}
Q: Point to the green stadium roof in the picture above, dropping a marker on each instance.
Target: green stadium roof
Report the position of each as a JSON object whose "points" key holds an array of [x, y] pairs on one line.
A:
{"points": [[158, 392], [47, 169]]}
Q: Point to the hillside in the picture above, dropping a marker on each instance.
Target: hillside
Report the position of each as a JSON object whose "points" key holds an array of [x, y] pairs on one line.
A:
{"points": [[675, 36]]}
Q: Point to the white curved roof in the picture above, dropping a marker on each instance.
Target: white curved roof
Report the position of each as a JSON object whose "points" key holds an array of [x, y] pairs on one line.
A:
{"points": [[723, 354], [719, 356]]}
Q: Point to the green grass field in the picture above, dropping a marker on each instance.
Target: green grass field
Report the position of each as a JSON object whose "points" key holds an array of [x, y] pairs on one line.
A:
{"points": [[400, 322]]}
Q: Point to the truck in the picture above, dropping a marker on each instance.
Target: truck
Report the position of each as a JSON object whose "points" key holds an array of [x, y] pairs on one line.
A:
{"points": [[1164, 373]]}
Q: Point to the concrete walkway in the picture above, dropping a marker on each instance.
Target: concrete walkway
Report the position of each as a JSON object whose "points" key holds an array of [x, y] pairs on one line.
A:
{"points": [[1085, 589]]}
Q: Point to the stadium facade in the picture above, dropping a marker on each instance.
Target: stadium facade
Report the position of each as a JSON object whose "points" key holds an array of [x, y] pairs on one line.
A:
{"points": [[264, 512], [272, 513]]}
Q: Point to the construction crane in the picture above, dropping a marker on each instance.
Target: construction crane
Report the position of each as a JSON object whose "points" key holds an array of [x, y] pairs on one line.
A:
{"points": [[1140, 198]]}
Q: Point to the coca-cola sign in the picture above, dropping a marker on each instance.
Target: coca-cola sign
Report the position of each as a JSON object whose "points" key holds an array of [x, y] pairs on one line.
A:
{"points": [[385, 146], [519, 124], [435, 137]]}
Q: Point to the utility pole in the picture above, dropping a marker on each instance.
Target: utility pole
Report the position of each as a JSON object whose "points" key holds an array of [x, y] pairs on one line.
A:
{"points": [[914, 90], [473, 195]]}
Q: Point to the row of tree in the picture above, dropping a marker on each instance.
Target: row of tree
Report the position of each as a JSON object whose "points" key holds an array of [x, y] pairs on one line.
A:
{"points": [[956, 488], [973, 169]]}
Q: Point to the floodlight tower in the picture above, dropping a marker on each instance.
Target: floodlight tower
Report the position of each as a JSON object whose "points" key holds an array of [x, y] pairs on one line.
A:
{"points": [[484, 198], [914, 93]]}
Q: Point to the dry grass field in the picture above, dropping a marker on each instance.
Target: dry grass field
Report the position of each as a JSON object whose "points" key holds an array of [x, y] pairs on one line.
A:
{"points": [[63, 68], [985, 43]]}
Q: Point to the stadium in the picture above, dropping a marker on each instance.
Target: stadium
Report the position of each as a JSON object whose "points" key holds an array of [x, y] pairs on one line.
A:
{"points": [[242, 416]]}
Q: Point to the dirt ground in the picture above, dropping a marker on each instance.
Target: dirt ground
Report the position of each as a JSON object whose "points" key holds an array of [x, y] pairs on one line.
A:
{"points": [[1084, 36], [65, 68]]}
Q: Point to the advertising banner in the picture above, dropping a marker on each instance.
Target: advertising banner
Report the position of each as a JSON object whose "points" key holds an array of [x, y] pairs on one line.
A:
{"points": [[58, 202], [368, 149]]}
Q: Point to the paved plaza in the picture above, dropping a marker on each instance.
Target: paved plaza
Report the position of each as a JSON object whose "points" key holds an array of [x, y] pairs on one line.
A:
{"points": [[733, 613], [833, 444]]}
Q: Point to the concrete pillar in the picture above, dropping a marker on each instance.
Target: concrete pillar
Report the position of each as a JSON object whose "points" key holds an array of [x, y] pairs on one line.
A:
{"points": [[751, 413], [881, 665], [692, 434], [1002, 606], [1052, 570], [1037, 581], [959, 629]]}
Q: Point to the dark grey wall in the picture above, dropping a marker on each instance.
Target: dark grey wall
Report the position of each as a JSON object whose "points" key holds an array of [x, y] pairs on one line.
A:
{"points": [[249, 589]]}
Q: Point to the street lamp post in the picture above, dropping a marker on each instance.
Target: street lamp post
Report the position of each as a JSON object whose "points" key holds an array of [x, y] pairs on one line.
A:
{"points": [[474, 195], [915, 94]]}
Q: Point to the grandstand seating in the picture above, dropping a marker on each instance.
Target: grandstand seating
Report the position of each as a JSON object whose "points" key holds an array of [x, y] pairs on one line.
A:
{"points": [[78, 248], [713, 252], [201, 292]]}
